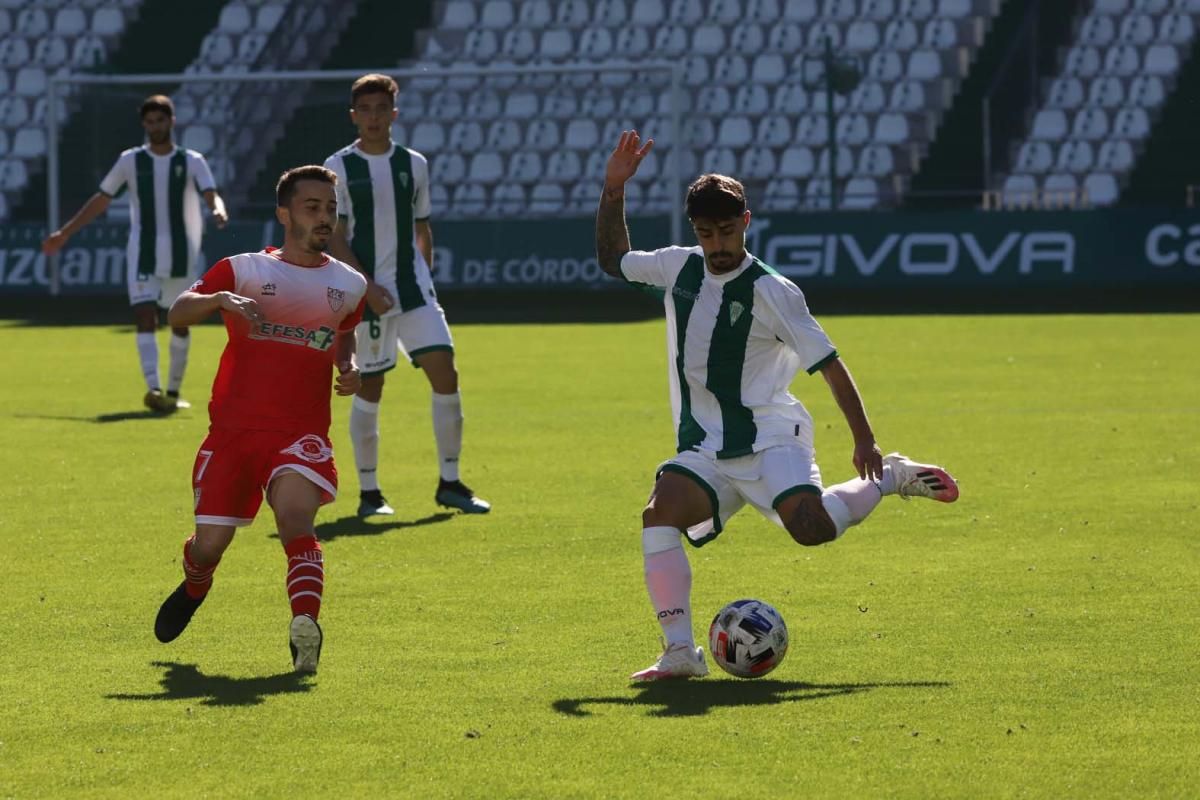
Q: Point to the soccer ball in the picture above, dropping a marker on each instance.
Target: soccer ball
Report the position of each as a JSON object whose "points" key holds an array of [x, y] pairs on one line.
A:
{"points": [[748, 638]]}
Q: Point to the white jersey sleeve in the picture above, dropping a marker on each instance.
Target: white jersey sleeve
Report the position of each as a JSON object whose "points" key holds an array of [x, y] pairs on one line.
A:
{"points": [[785, 313], [119, 175], [422, 203], [656, 267], [340, 191], [200, 173]]}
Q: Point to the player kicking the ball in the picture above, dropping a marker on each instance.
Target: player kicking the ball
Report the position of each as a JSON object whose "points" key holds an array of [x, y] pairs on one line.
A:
{"points": [[738, 332], [290, 315]]}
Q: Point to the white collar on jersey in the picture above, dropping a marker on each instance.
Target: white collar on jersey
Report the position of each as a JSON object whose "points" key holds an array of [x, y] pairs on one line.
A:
{"points": [[726, 277]]}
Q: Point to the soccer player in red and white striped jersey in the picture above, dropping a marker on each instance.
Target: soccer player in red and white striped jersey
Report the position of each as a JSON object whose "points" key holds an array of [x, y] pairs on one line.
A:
{"points": [[290, 315]]}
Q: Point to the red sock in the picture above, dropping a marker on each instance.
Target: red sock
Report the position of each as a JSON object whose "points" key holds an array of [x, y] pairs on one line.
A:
{"points": [[197, 580], [305, 576]]}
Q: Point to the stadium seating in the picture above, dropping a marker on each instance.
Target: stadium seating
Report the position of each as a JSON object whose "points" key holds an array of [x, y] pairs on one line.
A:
{"points": [[1097, 111], [747, 107]]}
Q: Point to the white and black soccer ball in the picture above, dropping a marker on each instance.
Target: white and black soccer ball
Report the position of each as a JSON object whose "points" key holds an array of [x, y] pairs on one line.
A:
{"points": [[748, 638]]}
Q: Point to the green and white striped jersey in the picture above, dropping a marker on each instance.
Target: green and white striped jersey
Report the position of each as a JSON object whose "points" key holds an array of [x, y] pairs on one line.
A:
{"points": [[734, 344], [165, 224], [380, 197]]}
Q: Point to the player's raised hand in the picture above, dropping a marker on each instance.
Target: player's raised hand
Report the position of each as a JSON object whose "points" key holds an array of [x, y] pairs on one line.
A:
{"points": [[54, 242], [242, 306], [220, 217], [626, 158], [349, 379], [378, 298]]}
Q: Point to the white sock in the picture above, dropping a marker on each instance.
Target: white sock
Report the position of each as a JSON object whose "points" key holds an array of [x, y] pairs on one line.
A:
{"points": [[887, 484], [851, 502], [147, 346], [179, 358], [669, 582], [364, 434], [448, 431]]}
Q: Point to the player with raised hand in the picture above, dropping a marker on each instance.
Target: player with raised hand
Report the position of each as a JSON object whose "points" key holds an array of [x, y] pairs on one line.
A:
{"points": [[290, 315], [166, 185], [738, 333], [384, 202]]}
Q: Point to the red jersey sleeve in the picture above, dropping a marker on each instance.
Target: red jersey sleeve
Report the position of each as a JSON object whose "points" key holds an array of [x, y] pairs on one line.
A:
{"points": [[219, 278], [353, 318]]}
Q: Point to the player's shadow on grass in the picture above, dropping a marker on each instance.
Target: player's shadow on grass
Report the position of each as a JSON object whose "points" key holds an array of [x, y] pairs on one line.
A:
{"points": [[352, 525], [694, 698], [187, 682], [115, 416]]}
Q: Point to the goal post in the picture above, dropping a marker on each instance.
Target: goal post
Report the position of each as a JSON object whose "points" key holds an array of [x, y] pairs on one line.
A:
{"points": [[564, 77]]}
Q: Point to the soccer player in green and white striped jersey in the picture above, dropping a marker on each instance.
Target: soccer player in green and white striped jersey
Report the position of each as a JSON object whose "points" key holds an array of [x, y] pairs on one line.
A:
{"points": [[384, 205], [737, 334], [166, 184]]}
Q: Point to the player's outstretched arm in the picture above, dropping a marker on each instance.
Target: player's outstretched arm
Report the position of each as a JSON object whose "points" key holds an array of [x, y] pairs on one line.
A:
{"points": [[612, 232], [867, 458], [192, 307], [94, 207]]}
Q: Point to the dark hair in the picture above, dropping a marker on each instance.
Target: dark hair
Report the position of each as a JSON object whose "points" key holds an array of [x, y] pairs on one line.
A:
{"points": [[373, 84], [158, 102], [286, 188], [715, 196]]}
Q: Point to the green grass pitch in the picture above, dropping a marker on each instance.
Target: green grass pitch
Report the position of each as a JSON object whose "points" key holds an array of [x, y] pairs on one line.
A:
{"points": [[1037, 639]]}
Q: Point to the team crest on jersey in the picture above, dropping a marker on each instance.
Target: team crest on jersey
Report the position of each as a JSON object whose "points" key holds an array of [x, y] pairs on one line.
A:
{"points": [[178, 170], [403, 176], [311, 448], [336, 298], [268, 290], [735, 311]]}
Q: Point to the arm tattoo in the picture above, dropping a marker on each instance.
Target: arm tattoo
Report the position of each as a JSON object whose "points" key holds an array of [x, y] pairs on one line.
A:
{"points": [[612, 234]]}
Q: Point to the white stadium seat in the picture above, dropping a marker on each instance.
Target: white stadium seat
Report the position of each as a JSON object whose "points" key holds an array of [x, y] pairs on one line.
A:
{"points": [[521, 104], [1074, 156], [1083, 61], [885, 65], [735, 132], [785, 37], [768, 69], [1097, 30], [542, 135], [719, 159], [916, 9], [428, 137], [1122, 60], [524, 167], [823, 31], [51, 52], [774, 130], [1112, 7], [572, 13], [1019, 189], [1050, 125], [790, 99], [686, 12], [535, 14], [485, 167], [860, 193], [1131, 123], [29, 143], [610, 13], [901, 34], [564, 166], [939, 34], [1101, 189], [503, 135], [671, 41], [497, 14], [924, 65], [199, 137], [466, 136], [751, 99], [1106, 91], [782, 194], [508, 200], [954, 8], [811, 129], [1115, 155], [758, 163], [266, 19], [70, 22], [32, 22], [518, 44], [840, 10], [648, 13], [845, 162], [801, 10], [1035, 158], [1162, 59], [876, 161], [891, 128], [582, 134], [762, 11], [1137, 29], [877, 10], [818, 194], [235, 18], [1146, 91], [797, 162], [1176, 29], [708, 40], [546, 198], [869, 97], [30, 82], [1090, 123], [107, 21], [853, 129], [730, 71], [470, 199], [747, 38], [862, 36], [1059, 188]]}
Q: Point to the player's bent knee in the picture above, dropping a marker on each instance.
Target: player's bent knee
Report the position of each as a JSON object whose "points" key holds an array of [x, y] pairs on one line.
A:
{"points": [[811, 531]]}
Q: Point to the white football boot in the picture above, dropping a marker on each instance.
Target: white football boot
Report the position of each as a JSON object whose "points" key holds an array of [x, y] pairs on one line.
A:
{"points": [[306, 640], [677, 661], [921, 480]]}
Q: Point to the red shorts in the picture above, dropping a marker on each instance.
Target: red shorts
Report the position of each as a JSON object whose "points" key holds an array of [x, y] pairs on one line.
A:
{"points": [[234, 468]]}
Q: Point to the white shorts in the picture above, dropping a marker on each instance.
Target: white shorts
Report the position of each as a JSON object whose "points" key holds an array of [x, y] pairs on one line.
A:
{"points": [[761, 479], [153, 289], [414, 332]]}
